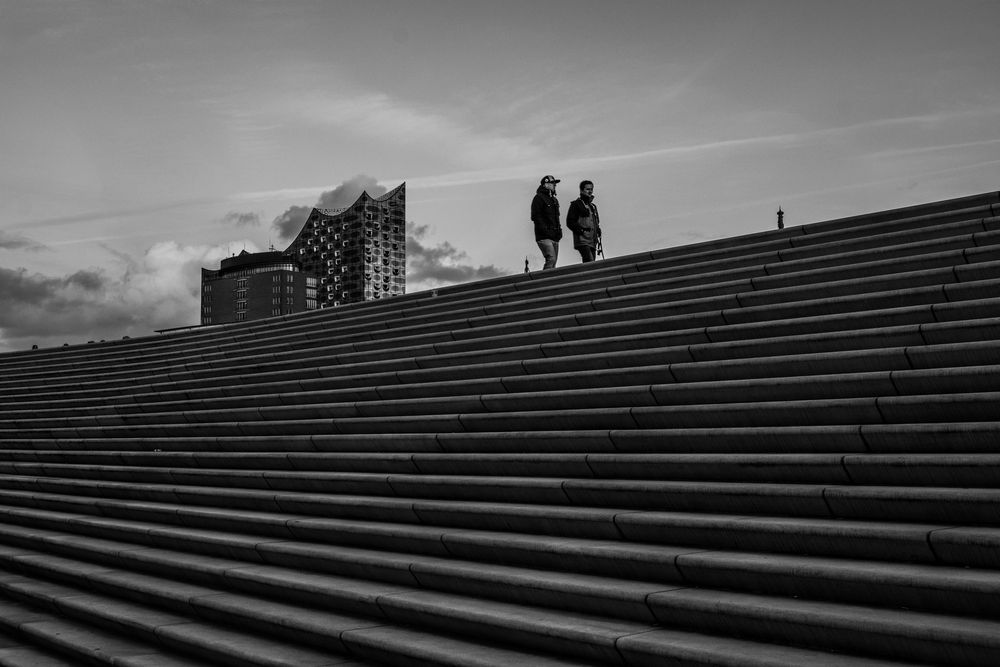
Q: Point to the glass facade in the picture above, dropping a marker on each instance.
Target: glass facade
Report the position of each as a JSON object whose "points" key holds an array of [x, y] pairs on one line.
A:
{"points": [[358, 253], [340, 256]]}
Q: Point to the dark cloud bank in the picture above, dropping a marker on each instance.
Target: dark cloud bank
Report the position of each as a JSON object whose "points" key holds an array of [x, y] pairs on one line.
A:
{"points": [[42, 309], [290, 222], [443, 264], [11, 241], [241, 219]]}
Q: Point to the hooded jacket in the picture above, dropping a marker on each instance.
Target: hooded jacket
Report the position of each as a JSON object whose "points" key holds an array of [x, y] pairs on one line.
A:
{"points": [[545, 215]]}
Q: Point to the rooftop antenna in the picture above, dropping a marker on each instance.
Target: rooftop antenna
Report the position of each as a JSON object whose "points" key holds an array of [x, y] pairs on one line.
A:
{"points": [[781, 218]]}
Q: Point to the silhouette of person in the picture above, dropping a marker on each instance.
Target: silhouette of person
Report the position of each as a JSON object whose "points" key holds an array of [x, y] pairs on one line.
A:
{"points": [[545, 215], [583, 220]]}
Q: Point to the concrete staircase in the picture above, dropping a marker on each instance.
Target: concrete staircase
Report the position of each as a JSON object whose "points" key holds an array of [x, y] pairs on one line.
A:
{"points": [[774, 449]]}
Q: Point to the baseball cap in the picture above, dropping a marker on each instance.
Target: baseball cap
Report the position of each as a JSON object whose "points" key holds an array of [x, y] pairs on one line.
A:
{"points": [[549, 179]]}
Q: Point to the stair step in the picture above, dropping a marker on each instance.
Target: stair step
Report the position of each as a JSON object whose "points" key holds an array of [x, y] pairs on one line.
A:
{"points": [[114, 638], [730, 294], [282, 471], [565, 633], [939, 589], [763, 277], [328, 377], [430, 497], [637, 534], [574, 390], [972, 407], [21, 625], [956, 437], [343, 641]]}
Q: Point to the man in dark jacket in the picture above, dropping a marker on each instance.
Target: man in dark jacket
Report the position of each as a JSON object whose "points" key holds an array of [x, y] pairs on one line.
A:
{"points": [[545, 215], [583, 221]]}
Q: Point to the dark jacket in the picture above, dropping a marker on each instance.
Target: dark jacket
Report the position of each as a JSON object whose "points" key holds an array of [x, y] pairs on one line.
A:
{"points": [[545, 215], [583, 220]]}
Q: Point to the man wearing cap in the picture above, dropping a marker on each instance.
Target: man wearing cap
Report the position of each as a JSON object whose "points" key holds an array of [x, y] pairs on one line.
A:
{"points": [[545, 215]]}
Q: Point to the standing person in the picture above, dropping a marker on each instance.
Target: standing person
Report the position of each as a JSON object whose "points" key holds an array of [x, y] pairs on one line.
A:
{"points": [[545, 215], [583, 221]]}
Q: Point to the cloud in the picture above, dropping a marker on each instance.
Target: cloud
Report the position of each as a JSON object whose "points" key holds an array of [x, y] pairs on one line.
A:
{"points": [[860, 132], [241, 219], [289, 223], [443, 264], [348, 192], [115, 214], [386, 118], [159, 290], [11, 241], [907, 152], [42, 309]]}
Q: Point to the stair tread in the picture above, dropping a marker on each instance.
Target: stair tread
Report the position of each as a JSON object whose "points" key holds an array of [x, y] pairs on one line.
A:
{"points": [[78, 642], [933, 585], [596, 634]]}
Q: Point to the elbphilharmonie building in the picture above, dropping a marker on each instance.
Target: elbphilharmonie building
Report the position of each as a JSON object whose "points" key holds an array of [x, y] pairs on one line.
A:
{"points": [[340, 256]]}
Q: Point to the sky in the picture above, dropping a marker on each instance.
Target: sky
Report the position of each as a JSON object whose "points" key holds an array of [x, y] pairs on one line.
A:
{"points": [[141, 140]]}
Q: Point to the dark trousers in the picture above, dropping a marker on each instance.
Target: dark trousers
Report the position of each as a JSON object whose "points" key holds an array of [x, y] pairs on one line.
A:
{"points": [[587, 253]]}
